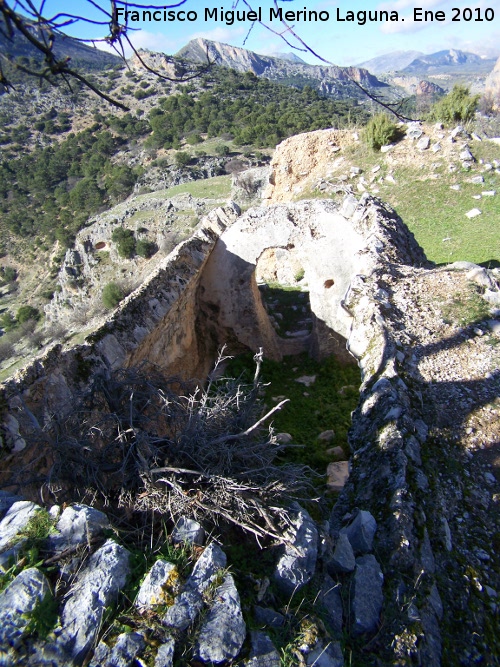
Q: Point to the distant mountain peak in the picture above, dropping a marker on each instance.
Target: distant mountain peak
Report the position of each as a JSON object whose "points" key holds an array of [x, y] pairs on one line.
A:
{"points": [[331, 80], [290, 56]]}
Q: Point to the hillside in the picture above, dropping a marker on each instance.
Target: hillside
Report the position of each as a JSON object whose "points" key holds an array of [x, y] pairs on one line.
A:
{"points": [[81, 55], [391, 62], [333, 81], [449, 62]]}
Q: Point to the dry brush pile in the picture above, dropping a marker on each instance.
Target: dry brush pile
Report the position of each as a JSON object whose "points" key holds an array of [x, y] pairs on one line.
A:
{"points": [[143, 443]]}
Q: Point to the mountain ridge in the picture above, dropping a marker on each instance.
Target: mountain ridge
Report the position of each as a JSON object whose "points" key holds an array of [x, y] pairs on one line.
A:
{"points": [[331, 80]]}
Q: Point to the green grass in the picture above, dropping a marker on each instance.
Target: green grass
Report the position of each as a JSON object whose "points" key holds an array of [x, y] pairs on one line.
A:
{"points": [[328, 405], [466, 307], [218, 187], [436, 215], [430, 209]]}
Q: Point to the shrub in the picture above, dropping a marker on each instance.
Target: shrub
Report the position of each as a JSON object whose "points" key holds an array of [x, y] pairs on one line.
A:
{"points": [[26, 313], [6, 348], [182, 158], [194, 139], [7, 321], [222, 149], [145, 249], [379, 131], [112, 294], [8, 274], [125, 240], [457, 106]]}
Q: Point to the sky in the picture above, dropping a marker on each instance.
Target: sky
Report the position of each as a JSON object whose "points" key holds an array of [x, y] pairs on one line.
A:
{"points": [[340, 42]]}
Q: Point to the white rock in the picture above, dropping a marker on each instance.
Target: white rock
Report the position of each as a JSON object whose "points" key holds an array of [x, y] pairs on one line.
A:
{"points": [[223, 632], [20, 598], [158, 586], [473, 213], [188, 530]]}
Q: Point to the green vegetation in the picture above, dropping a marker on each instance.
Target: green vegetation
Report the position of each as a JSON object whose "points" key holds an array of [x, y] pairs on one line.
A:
{"points": [[466, 307], [182, 159], [36, 531], [432, 210], [27, 313], [457, 106], [218, 187], [7, 321], [325, 404], [380, 131], [145, 249], [125, 240], [438, 220], [251, 110], [112, 294], [7, 275]]}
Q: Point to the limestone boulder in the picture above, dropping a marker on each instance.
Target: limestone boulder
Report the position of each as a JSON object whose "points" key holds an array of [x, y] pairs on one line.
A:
{"points": [[297, 564], [223, 632]]}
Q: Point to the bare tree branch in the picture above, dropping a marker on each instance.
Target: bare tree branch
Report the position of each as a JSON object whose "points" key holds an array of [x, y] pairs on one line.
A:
{"points": [[24, 18]]}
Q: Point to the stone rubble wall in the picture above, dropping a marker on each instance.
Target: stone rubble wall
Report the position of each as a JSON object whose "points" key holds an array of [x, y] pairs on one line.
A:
{"points": [[155, 323]]}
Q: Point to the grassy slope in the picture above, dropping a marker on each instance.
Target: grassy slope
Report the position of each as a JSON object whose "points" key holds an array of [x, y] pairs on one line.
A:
{"points": [[436, 214]]}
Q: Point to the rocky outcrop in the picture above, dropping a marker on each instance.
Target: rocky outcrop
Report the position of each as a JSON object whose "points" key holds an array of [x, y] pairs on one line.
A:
{"points": [[332, 80], [332, 244], [492, 84]]}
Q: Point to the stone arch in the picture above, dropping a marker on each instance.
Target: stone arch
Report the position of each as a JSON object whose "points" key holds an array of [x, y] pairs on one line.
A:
{"points": [[312, 235]]}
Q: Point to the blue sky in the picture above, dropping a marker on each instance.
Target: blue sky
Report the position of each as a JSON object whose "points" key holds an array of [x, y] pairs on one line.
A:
{"points": [[343, 43]]}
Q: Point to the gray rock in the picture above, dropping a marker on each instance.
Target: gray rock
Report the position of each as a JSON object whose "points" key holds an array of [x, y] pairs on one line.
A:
{"points": [[184, 611], [343, 556], [477, 180], [101, 655], [422, 430], [188, 604], [331, 600], [326, 656], [268, 617], [165, 655], [466, 155], [158, 586], [188, 530], [223, 633], [414, 132], [361, 532], [296, 566], [16, 520], [436, 147], [423, 143], [489, 295], [77, 525], [263, 652], [481, 277], [458, 131], [17, 601], [128, 646], [6, 501], [326, 436], [412, 450], [95, 588], [368, 597]]}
